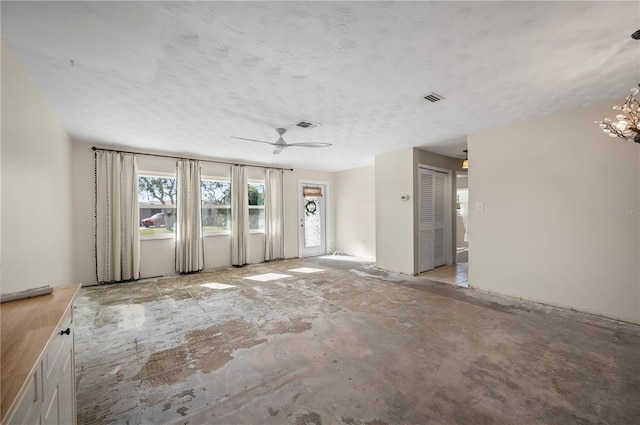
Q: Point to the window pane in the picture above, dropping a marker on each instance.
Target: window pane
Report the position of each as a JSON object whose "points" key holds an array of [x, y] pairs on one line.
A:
{"points": [[312, 222], [256, 206], [256, 193], [215, 192], [216, 219], [157, 202], [216, 206], [462, 202], [256, 218]]}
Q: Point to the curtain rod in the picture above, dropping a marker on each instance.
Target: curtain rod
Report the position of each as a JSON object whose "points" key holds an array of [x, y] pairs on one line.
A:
{"points": [[93, 148]]}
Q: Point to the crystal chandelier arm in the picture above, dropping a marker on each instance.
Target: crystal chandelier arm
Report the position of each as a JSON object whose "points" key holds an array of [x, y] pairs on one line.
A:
{"points": [[611, 130], [627, 125]]}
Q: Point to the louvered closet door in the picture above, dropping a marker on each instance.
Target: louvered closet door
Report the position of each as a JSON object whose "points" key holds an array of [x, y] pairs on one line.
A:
{"points": [[431, 219], [425, 220]]}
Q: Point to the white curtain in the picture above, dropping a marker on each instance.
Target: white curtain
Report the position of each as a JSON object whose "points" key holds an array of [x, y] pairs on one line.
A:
{"points": [[273, 215], [189, 243], [239, 215], [117, 217]]}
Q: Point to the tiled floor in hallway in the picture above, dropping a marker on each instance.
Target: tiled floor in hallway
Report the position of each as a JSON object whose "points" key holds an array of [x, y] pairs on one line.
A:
{"points": [[456, 274], [319, 341]]}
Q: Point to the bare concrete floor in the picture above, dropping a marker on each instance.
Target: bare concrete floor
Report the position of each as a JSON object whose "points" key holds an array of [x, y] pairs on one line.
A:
{"points": [[345, 345]]}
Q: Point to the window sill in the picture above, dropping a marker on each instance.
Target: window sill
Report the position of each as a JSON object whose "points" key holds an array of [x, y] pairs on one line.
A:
{"points": [[157, 237], [251, 232], [207, 235]]}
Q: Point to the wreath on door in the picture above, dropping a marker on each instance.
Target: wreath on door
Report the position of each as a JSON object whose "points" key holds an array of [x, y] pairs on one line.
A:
{"points": [[310, 207]]}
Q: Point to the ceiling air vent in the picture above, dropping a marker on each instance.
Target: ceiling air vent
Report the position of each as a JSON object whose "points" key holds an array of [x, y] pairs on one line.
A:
{"points": [[433, 97], [307, 124]]}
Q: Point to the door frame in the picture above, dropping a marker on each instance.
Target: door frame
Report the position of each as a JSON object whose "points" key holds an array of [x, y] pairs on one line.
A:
{"points": [[327, 215], [448, 257]]}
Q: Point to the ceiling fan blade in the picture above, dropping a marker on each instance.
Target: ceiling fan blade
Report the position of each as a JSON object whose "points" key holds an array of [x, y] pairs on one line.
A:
{"points": [[254, 140], [311, 144], [280, 144]]}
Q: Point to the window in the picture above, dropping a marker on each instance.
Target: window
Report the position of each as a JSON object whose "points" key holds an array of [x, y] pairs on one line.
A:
{"points": [[462, 202], [216, 206], [256, 206], [157, 202]]}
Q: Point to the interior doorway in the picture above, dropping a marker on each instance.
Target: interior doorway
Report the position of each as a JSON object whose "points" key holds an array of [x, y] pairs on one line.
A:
{"points": [[313, 218], [462, 217]]}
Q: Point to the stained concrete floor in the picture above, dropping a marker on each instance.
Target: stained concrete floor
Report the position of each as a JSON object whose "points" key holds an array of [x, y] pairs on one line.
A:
{"points": [[346, 345]]}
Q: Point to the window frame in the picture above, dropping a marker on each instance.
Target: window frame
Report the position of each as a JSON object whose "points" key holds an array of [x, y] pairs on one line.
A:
{"points": [[156, 174], [257, 207], [221, 206]]}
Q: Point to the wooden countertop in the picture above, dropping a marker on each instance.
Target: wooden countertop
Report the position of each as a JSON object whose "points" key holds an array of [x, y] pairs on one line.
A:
{"points": [[27, 327]]}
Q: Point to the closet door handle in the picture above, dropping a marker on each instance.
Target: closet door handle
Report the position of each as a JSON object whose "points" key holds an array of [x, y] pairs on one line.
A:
{"points": [[66, 331]]}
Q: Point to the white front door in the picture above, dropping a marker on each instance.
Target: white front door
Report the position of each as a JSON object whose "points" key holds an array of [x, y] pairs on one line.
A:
{"points": [[434, 231], [313, 219]]}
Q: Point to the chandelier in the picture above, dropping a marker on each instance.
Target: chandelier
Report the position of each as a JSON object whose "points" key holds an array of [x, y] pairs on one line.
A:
{"points": [[627, 124]]}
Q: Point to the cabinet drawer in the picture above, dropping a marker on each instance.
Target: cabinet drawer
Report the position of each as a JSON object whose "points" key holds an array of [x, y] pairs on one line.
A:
{"points": [[28, 411], [53, 353]]}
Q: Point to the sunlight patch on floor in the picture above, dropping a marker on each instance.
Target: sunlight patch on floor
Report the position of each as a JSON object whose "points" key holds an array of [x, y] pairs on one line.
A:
{"points": [[347, 258], [214, 285], [267, 277], [305, 270]]}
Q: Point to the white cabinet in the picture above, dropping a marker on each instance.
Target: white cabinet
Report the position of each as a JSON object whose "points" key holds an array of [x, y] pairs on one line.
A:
{"points": [[48, 395], [59, 380]]}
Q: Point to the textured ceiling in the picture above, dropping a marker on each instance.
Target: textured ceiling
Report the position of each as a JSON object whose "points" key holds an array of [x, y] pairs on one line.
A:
{"points": [[183, 77]]}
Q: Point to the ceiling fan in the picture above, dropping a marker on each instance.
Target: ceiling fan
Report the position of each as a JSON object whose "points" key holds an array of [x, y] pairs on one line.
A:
{"points": [[280, 144]]}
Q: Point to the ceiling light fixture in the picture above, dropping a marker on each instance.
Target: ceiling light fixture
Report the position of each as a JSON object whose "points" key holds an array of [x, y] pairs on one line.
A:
{"points": [[628, 120], [465, 163]]}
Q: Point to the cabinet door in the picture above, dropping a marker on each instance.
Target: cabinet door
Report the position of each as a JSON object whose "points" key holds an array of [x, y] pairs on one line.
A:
{"points": [[51, 412], [59, 401], [67, 387], [28, 410]]}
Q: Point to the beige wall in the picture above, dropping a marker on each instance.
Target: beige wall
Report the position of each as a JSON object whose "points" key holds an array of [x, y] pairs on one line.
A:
{"points": [[561, 214], [84, 261], [396, 174], [157, 255], [394, 177], [37, 218], [355, 212]]}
